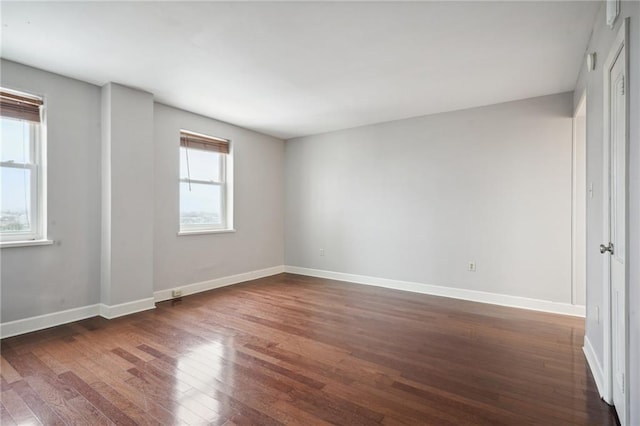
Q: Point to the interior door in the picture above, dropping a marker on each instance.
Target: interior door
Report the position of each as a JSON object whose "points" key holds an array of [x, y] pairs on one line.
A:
{"points": [[617, 228]]}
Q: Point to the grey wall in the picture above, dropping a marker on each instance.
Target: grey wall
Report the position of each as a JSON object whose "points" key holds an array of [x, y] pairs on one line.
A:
{"points": [[258, 204], [45, 279], [143, 202], [601, 40], [417, 199], [579, 206], [127, 202]]}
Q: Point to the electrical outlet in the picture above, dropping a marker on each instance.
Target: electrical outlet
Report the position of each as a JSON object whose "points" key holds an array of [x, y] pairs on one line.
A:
{"points": [[321, 252], [176, 292], [472, 266]]}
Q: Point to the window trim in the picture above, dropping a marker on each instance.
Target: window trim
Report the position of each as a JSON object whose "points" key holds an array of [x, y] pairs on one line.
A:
{"points": [[226, 191], [211, 231], [30, 243], [37, 152]]}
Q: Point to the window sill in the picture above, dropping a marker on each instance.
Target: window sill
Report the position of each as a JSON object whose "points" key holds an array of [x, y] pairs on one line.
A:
{"points": [[26, 243], [211, 231]]}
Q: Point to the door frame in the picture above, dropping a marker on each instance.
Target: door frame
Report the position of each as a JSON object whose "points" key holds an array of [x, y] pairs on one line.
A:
{"points": [[621, 42]]}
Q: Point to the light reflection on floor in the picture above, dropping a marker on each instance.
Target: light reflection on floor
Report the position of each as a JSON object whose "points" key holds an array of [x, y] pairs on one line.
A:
{"points": [[206, 368]]}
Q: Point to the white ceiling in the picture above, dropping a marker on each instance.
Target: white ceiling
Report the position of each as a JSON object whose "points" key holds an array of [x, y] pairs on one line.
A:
{"points": [[298, 68]]}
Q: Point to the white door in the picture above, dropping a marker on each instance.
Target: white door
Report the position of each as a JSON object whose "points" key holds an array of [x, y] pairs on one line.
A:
{"points": [[615, 249]]}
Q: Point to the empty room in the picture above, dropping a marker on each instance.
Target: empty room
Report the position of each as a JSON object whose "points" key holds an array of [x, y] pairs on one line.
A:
{"points": [[314, 213]]}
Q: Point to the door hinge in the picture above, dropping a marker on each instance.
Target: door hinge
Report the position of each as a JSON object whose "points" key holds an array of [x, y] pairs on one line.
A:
{"points": [[622, 86]]}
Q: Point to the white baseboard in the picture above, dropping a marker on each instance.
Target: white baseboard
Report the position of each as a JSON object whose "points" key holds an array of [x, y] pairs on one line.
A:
{"points": [[162, 295], [115, 311], [452, 292], [40, 322], [596, 368]]}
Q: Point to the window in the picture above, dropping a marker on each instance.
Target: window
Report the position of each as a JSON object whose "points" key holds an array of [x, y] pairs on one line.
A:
{"points": [[205, 190], [22, 204]]}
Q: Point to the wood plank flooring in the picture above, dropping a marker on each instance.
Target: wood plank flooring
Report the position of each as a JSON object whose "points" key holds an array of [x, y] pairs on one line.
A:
{"points": [[290, 349]]}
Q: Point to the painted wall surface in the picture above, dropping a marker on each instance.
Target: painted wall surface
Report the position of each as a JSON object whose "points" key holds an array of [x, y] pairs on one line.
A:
{"points": [[600, 43], [416, 199], [142, 221], [45, 279], [579, 207], [258, 241], [127, 256]]}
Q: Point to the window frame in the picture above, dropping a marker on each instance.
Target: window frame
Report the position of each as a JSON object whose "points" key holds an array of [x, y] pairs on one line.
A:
{"points": [[226, 192], [37, 202]]}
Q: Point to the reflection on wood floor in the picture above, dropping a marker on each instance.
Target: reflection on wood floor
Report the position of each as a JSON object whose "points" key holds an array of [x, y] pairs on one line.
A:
{"points": [[299, 350]]}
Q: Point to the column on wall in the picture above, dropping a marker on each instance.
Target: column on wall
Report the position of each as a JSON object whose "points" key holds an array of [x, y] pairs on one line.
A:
{"points": [[126, 280]]}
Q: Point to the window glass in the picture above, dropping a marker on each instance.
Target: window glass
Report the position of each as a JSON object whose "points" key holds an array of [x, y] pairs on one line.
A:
{"points": [[15, 201], [200, 204], [16, 146], [202, 165], [204, 184]]}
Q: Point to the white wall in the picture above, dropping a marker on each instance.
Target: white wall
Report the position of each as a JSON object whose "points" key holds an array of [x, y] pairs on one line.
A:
{"points": [[601, 40], [45, 279], [415, 200], [258, 242]]}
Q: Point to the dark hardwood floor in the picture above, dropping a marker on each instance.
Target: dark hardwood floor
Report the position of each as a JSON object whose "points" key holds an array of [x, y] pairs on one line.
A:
{"points": [[299, 350]]}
